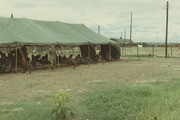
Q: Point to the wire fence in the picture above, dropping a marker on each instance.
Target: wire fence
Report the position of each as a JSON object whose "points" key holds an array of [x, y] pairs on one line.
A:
{"points": [[153, 51]]}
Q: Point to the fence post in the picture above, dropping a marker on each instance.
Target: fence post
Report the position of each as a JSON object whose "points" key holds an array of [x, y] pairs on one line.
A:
{"points": [[137, 50], [171, 51]]}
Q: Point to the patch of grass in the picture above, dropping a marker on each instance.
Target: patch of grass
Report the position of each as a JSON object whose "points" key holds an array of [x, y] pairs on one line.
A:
{"points": [[133, 103], [25, 111]]}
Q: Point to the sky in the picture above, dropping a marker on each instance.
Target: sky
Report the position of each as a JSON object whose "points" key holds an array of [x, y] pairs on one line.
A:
{"points": [[149, 16]]}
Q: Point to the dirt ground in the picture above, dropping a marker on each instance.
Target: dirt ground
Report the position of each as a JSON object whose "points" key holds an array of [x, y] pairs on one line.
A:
{"points": [[41, 84]]}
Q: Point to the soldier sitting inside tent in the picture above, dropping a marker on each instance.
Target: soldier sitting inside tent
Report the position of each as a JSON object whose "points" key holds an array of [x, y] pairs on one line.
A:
{"points": [[64, 59], [107, 56], [44, 60], [96, 57], [71, 61], [86, 59], [79, 59], [11, 57], [36, 62], [4, 63], [2, 55], [60, 58], [99, 57]]}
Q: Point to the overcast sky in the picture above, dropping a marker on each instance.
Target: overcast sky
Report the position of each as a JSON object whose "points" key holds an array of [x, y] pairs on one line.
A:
{"points": [[113, 15]]}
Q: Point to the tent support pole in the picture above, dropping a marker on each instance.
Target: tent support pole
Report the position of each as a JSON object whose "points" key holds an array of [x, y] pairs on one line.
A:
{"points": [[119, 52], [16, 60], [109, 53], [24, 60], [55, 62], [89, 51], [88, 55], [41, 52], [57, 59]]}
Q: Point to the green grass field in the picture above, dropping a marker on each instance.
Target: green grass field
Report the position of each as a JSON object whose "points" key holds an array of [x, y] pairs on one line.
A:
{"points": [[25, 111], [129, 102], [138, 102]]}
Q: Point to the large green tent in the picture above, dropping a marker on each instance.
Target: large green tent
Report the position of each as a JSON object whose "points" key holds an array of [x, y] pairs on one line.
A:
{"points": [[34, 32]]}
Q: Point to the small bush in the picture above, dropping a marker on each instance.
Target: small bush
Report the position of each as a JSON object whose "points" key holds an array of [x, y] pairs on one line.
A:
{"points": [[60, 111]]}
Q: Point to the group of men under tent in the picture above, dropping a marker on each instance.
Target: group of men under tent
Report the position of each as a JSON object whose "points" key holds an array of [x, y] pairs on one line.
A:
{"points": [[8, 59], [19, 32], [88, 55]]}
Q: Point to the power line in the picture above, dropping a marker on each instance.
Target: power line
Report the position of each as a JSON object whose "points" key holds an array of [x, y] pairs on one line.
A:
{"points": [[144, 8]]}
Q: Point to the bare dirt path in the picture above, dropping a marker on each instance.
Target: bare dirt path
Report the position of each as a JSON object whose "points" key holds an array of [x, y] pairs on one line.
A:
{"points": [[44, 83]]}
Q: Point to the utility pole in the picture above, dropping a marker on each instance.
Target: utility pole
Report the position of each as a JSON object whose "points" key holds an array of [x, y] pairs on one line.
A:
{"points": [[131, 30], [99, 29], [167, 12], [124, 36]]}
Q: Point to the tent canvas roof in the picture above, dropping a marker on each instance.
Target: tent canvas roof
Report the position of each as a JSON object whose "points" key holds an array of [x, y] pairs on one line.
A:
{"points": [[34, 32]]}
